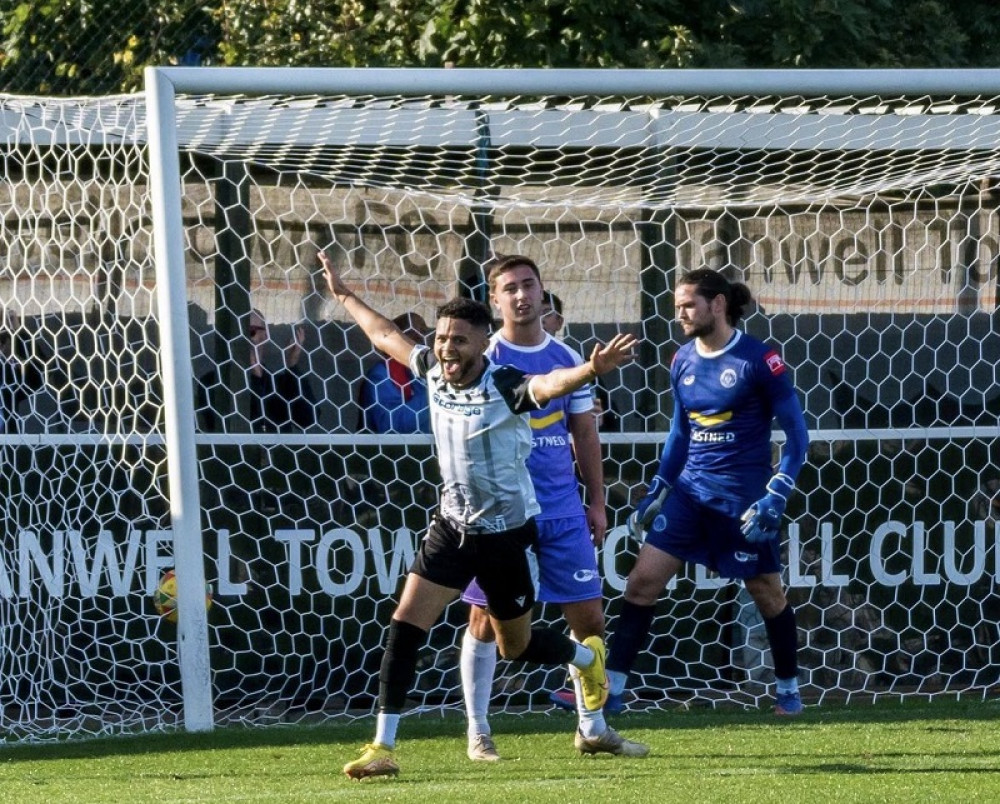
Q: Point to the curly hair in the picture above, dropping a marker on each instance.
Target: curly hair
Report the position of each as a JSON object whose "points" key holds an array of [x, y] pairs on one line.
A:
{"points": [[709, 283]]}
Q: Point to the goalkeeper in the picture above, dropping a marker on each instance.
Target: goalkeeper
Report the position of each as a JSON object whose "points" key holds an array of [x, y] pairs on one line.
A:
{"points": [[716, 499]]}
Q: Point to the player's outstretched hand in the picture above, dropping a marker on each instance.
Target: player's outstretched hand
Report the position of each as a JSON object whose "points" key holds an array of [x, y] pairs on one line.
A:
{"points": [[619, 350], [338, 289]]}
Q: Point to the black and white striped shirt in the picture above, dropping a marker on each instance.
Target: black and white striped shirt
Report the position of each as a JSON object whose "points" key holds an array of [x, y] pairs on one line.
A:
{"points": [[483, 439]]}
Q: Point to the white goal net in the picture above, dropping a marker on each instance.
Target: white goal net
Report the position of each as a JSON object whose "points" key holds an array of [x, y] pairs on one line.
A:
{"points": [[860, 209]]}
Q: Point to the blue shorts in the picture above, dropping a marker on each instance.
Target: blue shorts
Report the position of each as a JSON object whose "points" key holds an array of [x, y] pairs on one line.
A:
{"points": [[691, 531], [567, 564]]}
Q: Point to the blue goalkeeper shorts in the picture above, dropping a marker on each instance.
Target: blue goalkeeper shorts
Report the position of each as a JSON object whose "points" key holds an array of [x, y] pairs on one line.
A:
{"points": [[692, 531]]}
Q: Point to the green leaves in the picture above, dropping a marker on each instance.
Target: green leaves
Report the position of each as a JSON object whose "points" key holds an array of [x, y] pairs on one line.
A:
{"points": [[93, 46], [101, 46]]}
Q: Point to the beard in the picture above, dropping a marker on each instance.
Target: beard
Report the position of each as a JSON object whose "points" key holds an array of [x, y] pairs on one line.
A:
{"points": [[463, 374], [702, 330]]}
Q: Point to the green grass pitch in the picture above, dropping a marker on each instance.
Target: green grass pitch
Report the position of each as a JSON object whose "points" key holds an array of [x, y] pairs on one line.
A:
{"points": [[892, 752]]}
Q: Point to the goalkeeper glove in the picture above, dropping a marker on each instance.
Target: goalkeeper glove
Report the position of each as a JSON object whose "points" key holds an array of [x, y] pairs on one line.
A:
{"points": [[762, 520], [647, 509]]}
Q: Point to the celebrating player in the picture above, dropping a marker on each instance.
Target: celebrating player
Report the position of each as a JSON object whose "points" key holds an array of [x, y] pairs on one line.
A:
{"points": [[716, 499], [567, 564], [485, 523]]}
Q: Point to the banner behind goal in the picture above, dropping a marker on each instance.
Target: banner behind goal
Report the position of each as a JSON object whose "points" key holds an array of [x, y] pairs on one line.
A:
{"points": [[859, 208]]}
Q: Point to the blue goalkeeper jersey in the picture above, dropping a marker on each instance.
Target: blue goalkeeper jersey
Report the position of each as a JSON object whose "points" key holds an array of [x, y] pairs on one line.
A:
{"points": [[550, 462], [726, 401]]}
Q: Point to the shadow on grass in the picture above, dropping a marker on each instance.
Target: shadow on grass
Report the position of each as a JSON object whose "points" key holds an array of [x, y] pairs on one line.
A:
{"points": [[855, 769], [940, 716]]}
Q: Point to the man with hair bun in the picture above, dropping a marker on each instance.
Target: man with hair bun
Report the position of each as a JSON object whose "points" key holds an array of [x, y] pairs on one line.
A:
{"points": [[716, 499]]}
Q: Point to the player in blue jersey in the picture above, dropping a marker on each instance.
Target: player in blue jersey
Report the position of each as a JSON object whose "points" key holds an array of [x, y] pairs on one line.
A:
{"points": [[567, 532], [484, 527], [716, 499]]}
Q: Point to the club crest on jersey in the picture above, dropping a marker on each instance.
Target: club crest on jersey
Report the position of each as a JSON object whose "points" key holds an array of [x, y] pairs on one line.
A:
{"points": [[728, 378], [775, 363]]}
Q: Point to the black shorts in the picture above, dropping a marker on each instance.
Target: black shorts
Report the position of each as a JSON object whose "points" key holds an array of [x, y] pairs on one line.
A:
{"points": [[498, 561]]}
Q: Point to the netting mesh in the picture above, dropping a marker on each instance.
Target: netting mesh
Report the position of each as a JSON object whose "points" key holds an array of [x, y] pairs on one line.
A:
{"points": [[866, 227], [620, 152]]}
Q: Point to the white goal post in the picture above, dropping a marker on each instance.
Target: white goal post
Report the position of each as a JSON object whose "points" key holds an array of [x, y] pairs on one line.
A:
{"points": [[160, 259]]}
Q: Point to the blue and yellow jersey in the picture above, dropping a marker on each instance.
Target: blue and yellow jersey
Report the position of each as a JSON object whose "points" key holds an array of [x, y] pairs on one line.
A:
{"points": [[550, 462], [727, 403]]}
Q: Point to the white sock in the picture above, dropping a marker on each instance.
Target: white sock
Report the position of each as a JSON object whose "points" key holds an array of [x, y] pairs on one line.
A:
{"points": [[385, 729], [591, 723], [477, 665]]}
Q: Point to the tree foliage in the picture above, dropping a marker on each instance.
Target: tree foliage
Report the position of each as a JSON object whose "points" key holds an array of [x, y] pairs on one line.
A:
{"points": [[100, 46], [95, 46]]}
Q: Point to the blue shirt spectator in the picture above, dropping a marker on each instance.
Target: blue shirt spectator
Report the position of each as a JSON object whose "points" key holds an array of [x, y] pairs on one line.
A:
{"points": [[393, 400]]}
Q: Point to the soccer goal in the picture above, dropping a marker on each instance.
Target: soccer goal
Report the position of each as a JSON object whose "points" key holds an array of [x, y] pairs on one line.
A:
{"points": [[180, 394]]}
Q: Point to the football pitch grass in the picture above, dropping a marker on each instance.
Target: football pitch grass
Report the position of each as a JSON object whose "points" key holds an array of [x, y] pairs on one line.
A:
{"points": [[892, 752]]}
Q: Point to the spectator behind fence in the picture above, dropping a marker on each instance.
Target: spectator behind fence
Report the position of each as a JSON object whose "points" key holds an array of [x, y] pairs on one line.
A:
{"points": [[552, 313], [609, 420], [281, 401], [11, 376], [20, 377], [392, 399]]}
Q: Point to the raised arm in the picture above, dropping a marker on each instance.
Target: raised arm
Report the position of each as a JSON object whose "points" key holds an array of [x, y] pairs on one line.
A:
{"points": [[559, 382], [384, 335]]}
